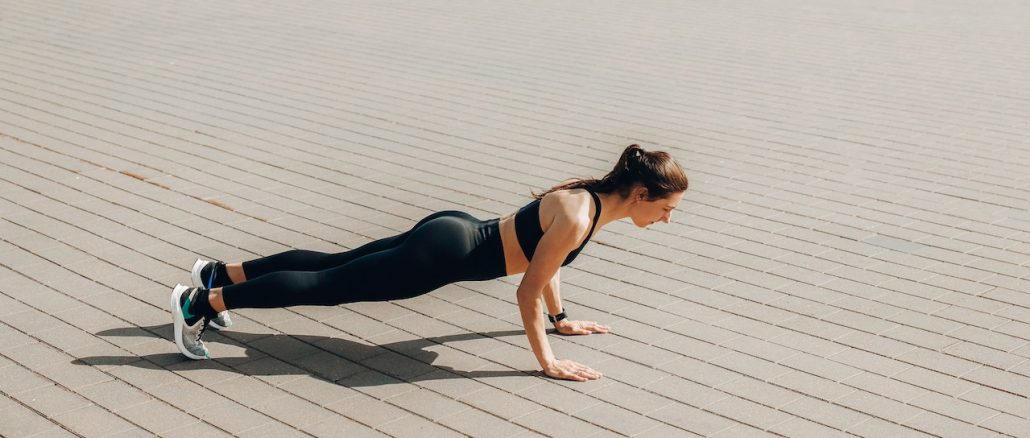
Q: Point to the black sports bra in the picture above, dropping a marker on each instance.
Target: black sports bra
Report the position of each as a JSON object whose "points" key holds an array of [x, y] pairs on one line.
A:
{"points": [[527, 227]]}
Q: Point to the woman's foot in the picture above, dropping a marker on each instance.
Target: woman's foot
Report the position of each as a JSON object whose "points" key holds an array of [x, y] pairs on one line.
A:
{"points": [[188, 326], [209, 275]]}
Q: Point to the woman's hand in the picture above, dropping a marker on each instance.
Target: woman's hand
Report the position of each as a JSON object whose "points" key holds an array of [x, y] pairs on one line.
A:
{"points": [[569, 370], [567, 327]]}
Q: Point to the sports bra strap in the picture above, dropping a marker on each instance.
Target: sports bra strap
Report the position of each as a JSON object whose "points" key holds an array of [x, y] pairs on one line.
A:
{"points": [[597, 215]]}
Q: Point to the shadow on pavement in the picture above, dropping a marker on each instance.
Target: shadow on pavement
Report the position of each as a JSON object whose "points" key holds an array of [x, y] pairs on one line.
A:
{"points": [[331, 359]]}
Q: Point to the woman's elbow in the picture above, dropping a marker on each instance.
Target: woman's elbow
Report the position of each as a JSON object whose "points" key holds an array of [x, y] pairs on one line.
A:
{"points": [[527, 296]]}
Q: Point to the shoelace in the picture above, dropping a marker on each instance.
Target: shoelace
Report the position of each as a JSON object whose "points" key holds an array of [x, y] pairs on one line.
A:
{"points": [[202, 328]]}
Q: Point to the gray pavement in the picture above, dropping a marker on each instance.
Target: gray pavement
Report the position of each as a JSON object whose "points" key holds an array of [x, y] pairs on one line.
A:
{"points": [[851, 259]]}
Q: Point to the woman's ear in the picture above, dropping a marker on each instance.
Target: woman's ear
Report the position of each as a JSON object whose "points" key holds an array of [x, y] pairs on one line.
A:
{"points": [[640, 193]]}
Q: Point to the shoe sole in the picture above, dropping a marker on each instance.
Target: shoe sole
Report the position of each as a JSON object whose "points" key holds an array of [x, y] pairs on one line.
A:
{"points": [[178, 321], [198, 282]]}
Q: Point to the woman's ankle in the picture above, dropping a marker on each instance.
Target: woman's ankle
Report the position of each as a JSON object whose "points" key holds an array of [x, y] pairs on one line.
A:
{"points": [[214, 298], [235, 272]]}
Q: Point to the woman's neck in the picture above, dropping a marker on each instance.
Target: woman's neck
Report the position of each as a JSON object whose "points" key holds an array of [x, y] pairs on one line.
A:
{"points": [[613, 208]]}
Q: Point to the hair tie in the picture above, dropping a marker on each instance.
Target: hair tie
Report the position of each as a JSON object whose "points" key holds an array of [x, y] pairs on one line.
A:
{"points": [[633, 159]]}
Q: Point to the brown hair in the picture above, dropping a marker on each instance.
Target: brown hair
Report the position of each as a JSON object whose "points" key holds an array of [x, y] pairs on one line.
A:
{"points": [[657, 171]]}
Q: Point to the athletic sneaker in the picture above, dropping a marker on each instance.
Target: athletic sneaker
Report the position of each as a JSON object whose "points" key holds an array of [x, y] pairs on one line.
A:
{"points": [[188, 327], [205, 274]]}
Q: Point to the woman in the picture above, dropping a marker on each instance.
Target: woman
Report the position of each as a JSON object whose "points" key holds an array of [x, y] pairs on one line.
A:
{"points": [[447, 247]]}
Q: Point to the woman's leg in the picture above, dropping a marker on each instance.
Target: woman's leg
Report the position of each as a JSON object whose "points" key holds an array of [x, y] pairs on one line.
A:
{"points": [[305, 260], [428, 258]]}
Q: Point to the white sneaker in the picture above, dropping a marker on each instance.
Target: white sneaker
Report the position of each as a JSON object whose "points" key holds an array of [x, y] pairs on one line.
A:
{"points": [[187, 335]]}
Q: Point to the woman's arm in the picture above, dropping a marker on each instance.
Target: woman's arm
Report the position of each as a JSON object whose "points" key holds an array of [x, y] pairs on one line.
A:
{"points": [[552, 297], [554, 246]]}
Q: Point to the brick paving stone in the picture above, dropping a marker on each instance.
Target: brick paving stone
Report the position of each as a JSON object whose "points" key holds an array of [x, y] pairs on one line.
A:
{"points": [[878, 427], [114, 395], [871, 361], [19, 420], [941, 425], [273, 429], [478, 423], [761, 392], [743, 430], [824, 413], [554, 423], [693, 420], [984, 355], [156, 416], [230, 416], [53, 400], [665, 430], [635, 399], [508, 406], [318, 391], [412, 426], [196, 430], [428, 404], [748, 412], [998, 400], [292, 410], [1013, 383], [801, 427], [617, 419], [92, 421], [894, 389], [813, 385], [367, 410], [16, 379], [56, 432], [686, 391], [747, 365], [340, 425], [1006, 424]]}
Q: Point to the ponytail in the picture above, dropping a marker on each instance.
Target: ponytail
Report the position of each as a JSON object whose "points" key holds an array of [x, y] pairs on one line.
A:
{"points": [[655, 171]]}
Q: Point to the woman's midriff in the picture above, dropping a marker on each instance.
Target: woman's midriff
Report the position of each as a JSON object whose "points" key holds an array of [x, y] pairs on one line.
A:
{"points": [[515, 261]]}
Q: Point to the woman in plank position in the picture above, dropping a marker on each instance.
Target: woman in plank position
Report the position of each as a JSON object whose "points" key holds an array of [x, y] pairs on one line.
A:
{"points": [[443, 248]]}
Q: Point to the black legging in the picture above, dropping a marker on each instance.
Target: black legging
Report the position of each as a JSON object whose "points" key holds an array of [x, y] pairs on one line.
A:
{"points": [[442, 248]]}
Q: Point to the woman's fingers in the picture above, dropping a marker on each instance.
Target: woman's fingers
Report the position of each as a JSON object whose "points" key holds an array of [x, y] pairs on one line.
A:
{"points": [[585, 371], [583, 328], [569, 370], [572, 375]]}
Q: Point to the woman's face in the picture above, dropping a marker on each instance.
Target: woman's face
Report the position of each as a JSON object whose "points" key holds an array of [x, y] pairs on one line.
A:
{"points": [[646, 213]]}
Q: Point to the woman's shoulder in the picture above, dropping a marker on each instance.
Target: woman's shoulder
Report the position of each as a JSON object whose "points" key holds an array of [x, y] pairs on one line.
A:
{"points": [[570, 205]]}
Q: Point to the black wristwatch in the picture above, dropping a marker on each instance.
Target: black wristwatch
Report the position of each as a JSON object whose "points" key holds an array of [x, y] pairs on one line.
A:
{"points": [[554, 319]]}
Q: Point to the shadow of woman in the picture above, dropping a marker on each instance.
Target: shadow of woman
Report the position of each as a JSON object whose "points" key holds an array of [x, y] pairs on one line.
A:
{"points": [[331, 359]]}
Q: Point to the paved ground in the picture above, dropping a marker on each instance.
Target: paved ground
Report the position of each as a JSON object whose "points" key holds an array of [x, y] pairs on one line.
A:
{"points": [[851, 259]]}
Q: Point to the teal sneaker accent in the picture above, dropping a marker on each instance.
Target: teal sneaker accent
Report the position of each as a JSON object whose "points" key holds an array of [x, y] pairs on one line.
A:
{"points": [[186, 308]]}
